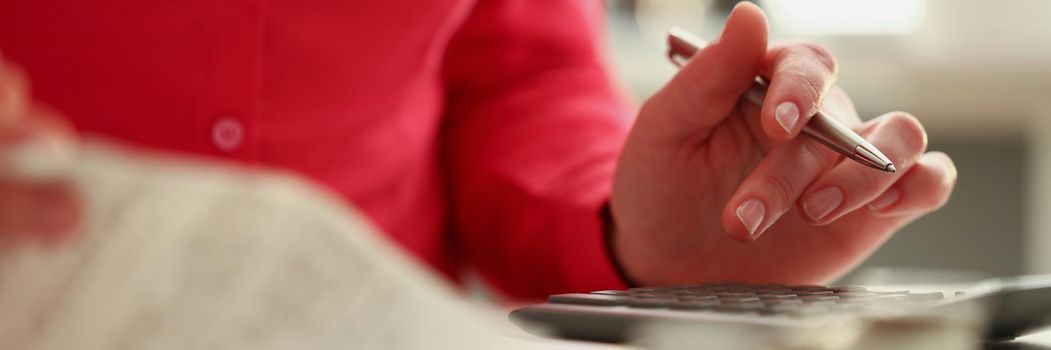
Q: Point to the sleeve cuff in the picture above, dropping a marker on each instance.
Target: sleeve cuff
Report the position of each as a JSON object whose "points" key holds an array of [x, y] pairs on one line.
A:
{"points": [[587, 264]]}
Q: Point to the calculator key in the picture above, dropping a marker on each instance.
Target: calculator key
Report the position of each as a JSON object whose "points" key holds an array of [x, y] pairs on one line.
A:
{"points": [[814, 298], [684, 297], [739, 307], [741, 299], [735, 294], [813, 292], [612, 292], [886, 292], [695, 304], [588, 299], [780, 291], [647, 289], [693, 292], [782, 301], [847, 289], [651, 302], [776, 296]]}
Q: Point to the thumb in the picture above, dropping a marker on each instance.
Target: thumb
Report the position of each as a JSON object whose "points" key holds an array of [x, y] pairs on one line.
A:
{"points": [[708, 87]]}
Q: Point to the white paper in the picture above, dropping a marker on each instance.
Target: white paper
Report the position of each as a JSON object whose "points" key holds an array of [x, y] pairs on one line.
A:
{"points": [[177, 254]]}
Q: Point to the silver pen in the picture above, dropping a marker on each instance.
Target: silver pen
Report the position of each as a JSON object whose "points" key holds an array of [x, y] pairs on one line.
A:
{"points": [[822, 127]]}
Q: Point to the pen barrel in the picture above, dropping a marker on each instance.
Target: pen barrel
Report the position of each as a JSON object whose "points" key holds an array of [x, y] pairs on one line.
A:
{"points": [[835, 135], [821, 127]]}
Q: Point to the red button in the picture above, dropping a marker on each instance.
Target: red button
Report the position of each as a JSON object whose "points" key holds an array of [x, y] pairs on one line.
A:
{"points": [[228, 134]]}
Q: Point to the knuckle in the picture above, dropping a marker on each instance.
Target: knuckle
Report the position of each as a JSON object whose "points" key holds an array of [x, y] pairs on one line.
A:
{"points": [[820, 53], [811, 153], [871, 182], [778, 187], [813, 86]]}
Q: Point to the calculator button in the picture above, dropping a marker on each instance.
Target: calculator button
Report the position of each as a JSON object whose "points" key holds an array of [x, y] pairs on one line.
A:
{"points": [[693, 292], [739, 307], [695, 304], [814, 298], [735, 294], [651, 302], [782, 301], [588, 299], [685, 297], [739, 299], [647, 289], [847, 289], [612, 292], [776, 296], [651, 295], [813, 292]]}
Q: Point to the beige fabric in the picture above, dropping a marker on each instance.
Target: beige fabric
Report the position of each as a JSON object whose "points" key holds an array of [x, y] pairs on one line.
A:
{"points": [[178, 254]]}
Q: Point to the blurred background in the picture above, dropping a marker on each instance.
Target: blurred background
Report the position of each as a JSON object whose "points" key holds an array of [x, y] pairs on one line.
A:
{"points": [[977, 73]]}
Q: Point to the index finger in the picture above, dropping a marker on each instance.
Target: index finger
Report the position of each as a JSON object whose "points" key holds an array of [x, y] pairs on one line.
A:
{"points": [[800, 76]]}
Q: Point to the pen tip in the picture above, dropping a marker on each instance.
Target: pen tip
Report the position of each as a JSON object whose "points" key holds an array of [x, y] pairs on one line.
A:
{"points": [[890, 168]]}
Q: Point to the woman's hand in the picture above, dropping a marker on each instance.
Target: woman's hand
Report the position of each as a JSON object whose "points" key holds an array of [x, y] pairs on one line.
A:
{"points": [[31, 206], [712, 189]]}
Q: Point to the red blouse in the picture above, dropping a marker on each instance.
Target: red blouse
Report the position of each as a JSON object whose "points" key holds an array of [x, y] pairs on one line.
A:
{"points": [[475, 133]]}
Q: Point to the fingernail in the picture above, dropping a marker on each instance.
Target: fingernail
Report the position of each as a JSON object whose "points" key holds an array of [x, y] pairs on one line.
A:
{"points": [[787, 114], [885, 200], [750, 213], [822, 202], [948, 167]]}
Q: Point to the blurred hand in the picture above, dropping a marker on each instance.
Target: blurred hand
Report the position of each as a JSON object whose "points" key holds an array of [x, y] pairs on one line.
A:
{"points": [[703, 176], [30, 207]]}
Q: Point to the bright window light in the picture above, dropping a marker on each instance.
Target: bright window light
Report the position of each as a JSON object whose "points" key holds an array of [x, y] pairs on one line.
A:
{"points": [[846, 17]]}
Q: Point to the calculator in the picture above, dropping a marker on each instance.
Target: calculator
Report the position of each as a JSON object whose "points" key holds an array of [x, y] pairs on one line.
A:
{"points": [[1013, 307]]}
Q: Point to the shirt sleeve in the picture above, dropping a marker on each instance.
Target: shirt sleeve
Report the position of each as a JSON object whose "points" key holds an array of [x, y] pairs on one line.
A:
{"points": [[534, 130]]}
